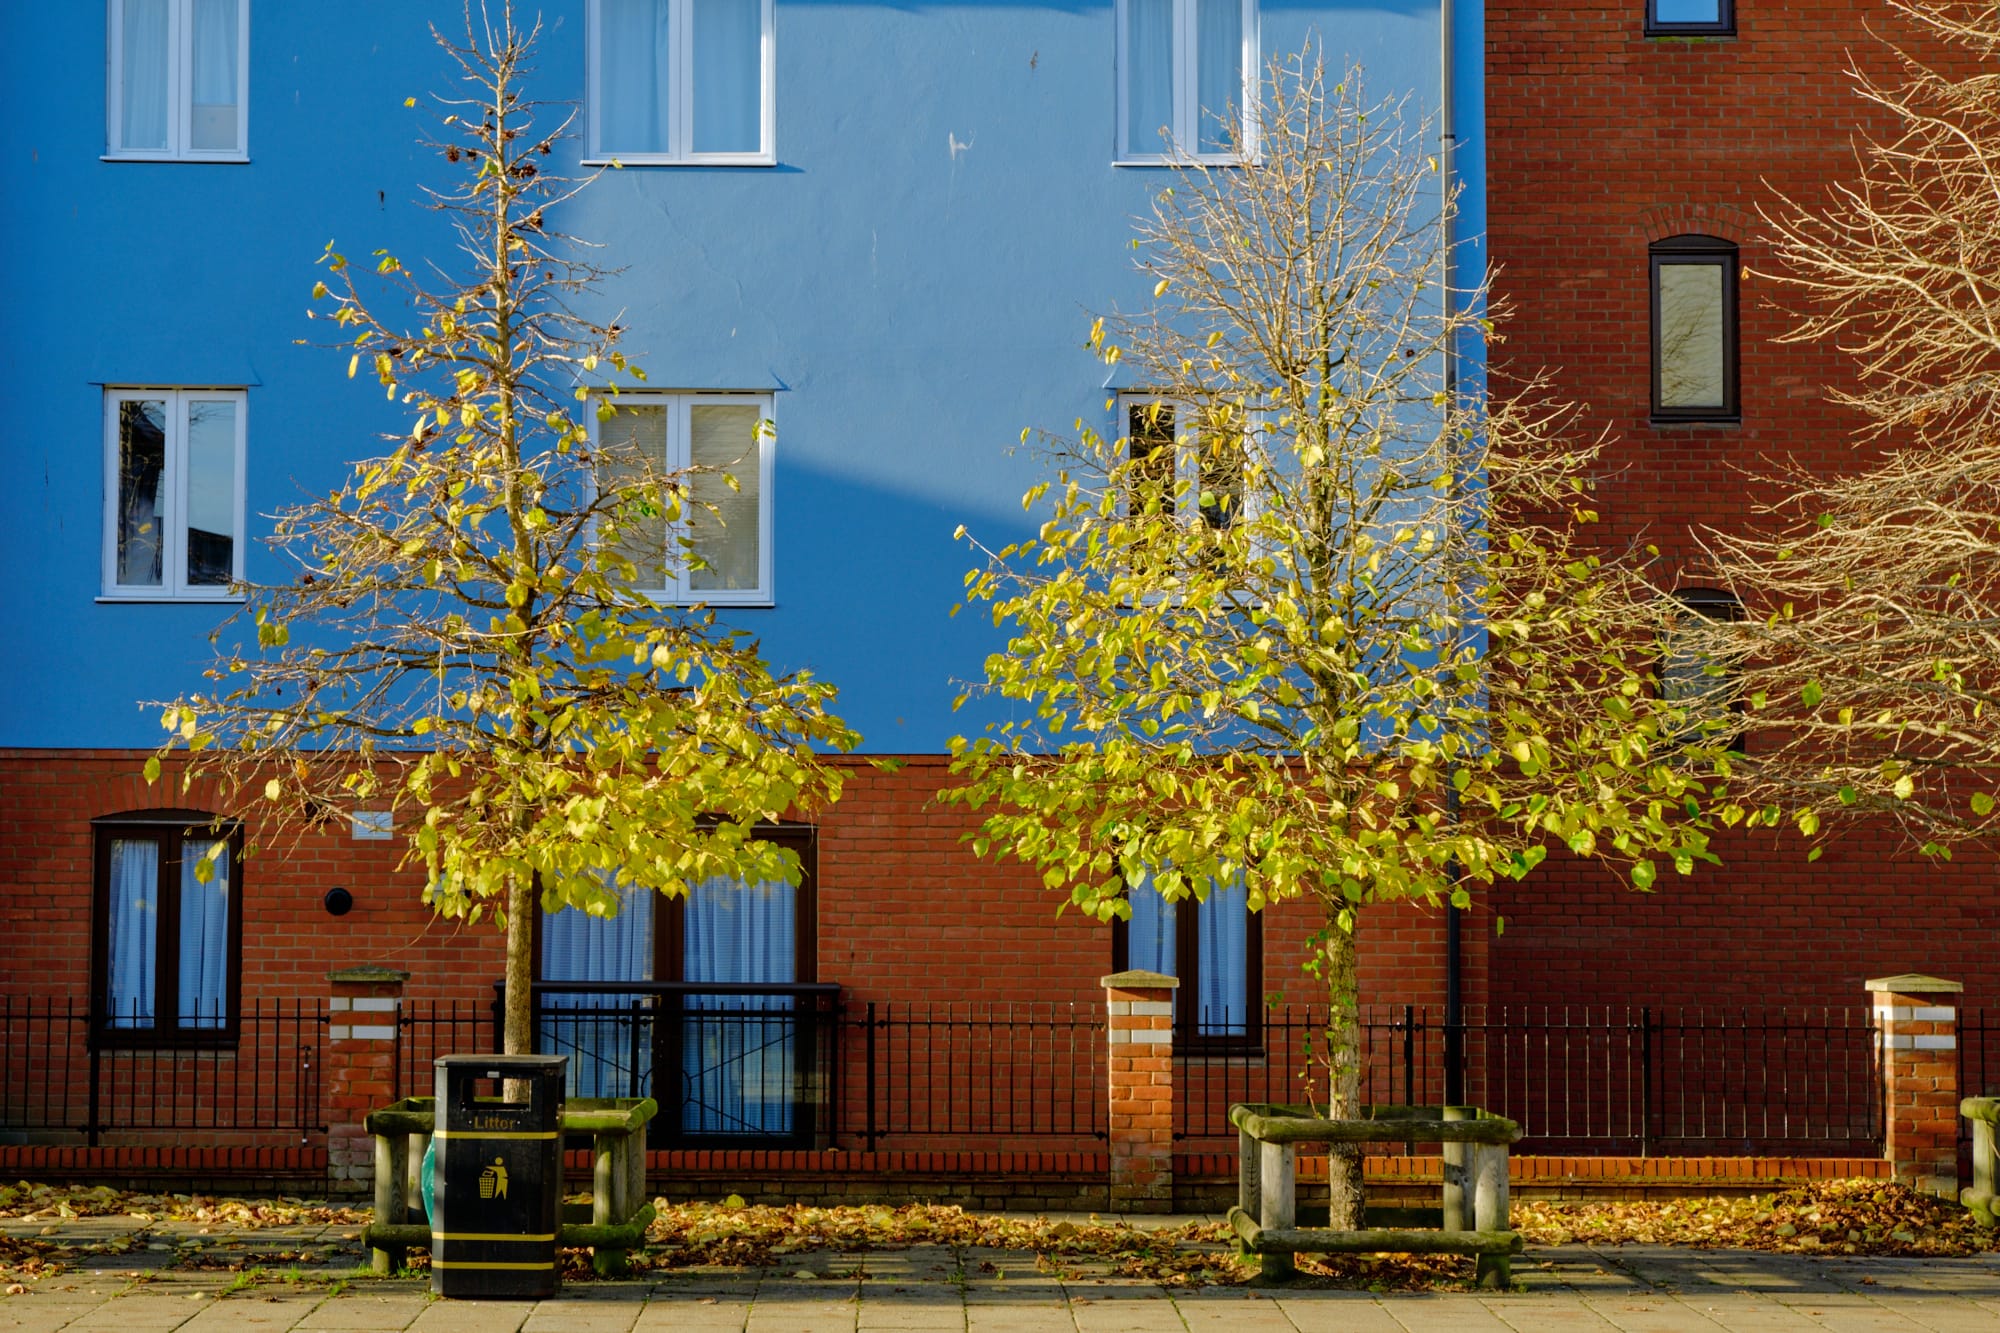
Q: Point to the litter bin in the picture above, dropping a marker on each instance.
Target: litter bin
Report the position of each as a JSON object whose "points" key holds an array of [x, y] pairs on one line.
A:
{"points": [[498, 1182]]}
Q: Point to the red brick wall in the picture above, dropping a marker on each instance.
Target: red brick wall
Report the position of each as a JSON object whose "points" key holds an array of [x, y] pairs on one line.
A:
{"points": [[906, 911], [1600, 141]]}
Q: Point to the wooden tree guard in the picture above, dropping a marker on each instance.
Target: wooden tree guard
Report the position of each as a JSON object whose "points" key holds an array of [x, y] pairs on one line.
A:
{"points": [[619, 1211], [1475, 1185], [1980, 1196]]}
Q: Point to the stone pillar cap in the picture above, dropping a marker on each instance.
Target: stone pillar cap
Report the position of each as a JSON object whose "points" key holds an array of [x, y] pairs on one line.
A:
{"points": [[1137, 980], [369, 973], [1913, 983]]}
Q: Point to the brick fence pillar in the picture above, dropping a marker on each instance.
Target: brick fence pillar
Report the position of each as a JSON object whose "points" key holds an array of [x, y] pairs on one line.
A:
{"points": [[1917, 1021], [359, 1073], [1139, 1009]]}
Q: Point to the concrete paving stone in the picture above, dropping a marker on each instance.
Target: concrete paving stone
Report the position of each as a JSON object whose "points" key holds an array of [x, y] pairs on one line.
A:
{"points": [[1219, 1313], [469, 1316], [1645, 1312], [251, 1312], [612, 1312], [1539, 1313], [1441, 1314], [1335, 1312], [696, 1315], [366, 1310]]}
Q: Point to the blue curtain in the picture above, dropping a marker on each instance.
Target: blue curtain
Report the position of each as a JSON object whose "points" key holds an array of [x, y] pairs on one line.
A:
{"points": [[1219, 71], [133, 931], [204, 960], [1149, 75], [1222, 937], [728, 75], [633, 87], [143, 86], [738, 1053], [610, 1041]]}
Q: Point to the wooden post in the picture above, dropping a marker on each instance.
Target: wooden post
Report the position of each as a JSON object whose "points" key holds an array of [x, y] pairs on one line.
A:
{"points": [[1490, 1209], [1277, 1193], [603, 1180], [1249, 1171], [392, 1173], [1456, 1216]]}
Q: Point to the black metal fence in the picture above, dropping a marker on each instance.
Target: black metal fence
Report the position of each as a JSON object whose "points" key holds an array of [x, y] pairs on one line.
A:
{"points": [[991, 1071], [60, 1085], [1582, 1079]]}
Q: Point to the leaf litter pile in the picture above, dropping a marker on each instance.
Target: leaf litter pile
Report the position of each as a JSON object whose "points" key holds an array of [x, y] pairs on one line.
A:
{"points": [[1831, 1217], [1850, 1217]]}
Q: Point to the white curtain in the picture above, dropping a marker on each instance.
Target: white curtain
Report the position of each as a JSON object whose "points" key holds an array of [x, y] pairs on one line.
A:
{"points": [[610, 1045], [215, 99], [1222, 928], [204, 961], [142, 89], [1219, 64], [633, 88], [133, 931], [738, 1051], [1149, 935], [728, 75], [723, 441], [1149, 74]]}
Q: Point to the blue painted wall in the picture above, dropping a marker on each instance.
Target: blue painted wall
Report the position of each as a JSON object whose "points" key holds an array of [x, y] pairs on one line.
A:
{"points": [[916, 305]]}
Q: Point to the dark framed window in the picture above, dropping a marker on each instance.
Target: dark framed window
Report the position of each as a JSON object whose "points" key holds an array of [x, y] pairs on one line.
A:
{"points": [[166, 938], [1694, 329], [1179, 450], [727, 1067], [1705, 687], [1215, 946], [1690, 18]]}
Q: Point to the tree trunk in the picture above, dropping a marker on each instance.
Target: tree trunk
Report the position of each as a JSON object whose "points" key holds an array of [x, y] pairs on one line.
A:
{"points": [[1346, 1194], [518, 1027]]}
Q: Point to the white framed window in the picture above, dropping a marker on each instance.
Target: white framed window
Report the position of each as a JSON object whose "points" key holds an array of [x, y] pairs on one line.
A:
{"points": [[173, 493], [177, 81], [717, 550], [1194, 459], [681, 81], [1186, 74]]}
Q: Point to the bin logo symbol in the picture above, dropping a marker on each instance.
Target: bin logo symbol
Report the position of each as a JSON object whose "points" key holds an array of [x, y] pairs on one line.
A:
{"points": [[493, 1180]]}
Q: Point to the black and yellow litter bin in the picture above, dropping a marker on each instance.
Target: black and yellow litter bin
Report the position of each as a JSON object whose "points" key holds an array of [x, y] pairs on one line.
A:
{"points": [[499, 1175]]}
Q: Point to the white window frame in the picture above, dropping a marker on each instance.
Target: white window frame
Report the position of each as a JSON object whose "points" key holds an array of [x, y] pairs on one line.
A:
{"points": [[680, 87], [679, 403], [1187, 454], [1186, 127], [173, 585], [180, 88]]}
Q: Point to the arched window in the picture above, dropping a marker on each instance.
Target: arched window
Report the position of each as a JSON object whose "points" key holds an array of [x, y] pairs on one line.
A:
{"points": [[167, 921], [1704, 686], [1694, 329]]}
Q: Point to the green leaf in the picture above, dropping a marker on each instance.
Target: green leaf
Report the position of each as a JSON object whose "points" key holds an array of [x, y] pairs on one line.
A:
{"points": [[153, 771], [1643, 875], [1811, 694], [1982, 804]]}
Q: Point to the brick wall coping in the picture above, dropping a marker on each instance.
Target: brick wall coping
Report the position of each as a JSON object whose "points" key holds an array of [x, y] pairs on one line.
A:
{"points": [[1136, 980], [1912, 983], [369, 974]]}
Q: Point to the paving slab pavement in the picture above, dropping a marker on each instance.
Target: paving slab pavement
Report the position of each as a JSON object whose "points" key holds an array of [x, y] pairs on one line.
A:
{"points": [[120, 1283]]}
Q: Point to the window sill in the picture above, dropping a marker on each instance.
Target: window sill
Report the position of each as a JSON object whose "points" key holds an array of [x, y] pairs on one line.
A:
{"points": [[1660, 423], [1657, 33], [168, 599], [1230, 161], [729, 160], [225, 159]]}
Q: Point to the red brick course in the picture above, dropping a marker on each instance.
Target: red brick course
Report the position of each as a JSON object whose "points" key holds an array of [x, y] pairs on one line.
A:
{"points": [[1599, 141]]}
